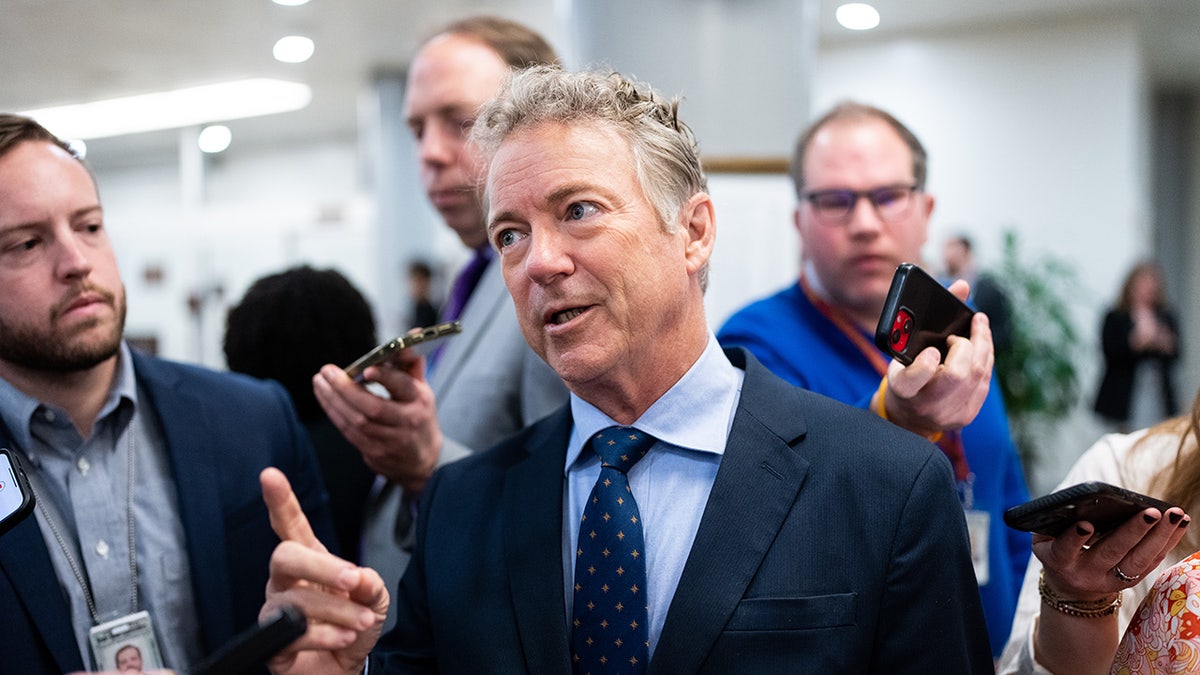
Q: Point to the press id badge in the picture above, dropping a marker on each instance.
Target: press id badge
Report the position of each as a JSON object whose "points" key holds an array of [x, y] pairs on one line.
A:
{"points": [[126, 643], [978, 523]]}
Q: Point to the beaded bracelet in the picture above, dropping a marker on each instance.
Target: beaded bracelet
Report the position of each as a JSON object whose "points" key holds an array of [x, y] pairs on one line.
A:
{"points": [[1087, 609]]}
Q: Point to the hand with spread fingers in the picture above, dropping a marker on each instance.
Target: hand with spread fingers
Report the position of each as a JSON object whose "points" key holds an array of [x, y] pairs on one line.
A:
{"points": [[398, 436], [345, 605], [930, 396], [1082, 582]]}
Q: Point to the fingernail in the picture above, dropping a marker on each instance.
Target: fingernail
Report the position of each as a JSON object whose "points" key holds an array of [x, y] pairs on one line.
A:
{"points": [[1186, 521], [1149, 518], [1081, 531], [1175, 518]]}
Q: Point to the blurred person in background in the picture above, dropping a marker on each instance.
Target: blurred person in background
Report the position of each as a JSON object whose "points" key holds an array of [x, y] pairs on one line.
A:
{"points": [[1140, 338], [987, 295], [859, 176], [285, 328], [484, 384], [420, 283]]}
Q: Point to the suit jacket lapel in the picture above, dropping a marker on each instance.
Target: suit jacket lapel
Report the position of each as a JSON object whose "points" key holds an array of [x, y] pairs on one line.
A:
{"points": [[485, 301], [24, 558], [26, 561], [183, 416], [532, 514], [756, 486]]}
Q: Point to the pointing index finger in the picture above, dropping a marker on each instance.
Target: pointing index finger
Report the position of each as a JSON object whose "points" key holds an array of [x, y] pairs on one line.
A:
{"points": [[287, 518]]}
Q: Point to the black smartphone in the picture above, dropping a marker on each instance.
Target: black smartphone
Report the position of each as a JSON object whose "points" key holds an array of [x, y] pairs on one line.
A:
{"points": [[1104, 506], [412, 338], [249, 650], [919, 312], [16, 496]]}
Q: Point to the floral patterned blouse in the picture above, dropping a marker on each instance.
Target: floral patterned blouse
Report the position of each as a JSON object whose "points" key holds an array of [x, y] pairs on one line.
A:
{"points": [[1164, 636]]}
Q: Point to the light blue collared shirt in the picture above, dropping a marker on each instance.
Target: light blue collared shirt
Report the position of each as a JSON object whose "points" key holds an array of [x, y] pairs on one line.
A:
{"points": [[82, 481], [671, 483]]}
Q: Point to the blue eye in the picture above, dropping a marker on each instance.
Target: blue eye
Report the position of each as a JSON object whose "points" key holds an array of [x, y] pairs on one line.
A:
{"points": [[507, 238], [580, 210]]}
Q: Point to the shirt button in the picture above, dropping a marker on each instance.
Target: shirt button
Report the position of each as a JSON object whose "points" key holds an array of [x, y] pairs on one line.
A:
{"points": [[49, 415], [102, 549], [83, 465]]}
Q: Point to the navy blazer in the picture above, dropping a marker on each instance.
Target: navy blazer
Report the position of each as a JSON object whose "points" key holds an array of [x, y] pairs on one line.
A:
{"points": [[832, 541], [221, 430]]}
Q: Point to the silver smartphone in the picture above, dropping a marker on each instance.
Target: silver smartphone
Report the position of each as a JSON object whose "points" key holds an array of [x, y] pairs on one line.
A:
{"points": [[412, 338]]}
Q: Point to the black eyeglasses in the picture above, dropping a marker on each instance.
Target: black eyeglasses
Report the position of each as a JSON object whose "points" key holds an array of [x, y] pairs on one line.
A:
{"points": [[835, 207]]}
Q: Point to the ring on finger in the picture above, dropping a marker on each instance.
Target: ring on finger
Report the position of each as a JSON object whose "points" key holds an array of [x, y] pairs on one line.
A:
{"points": [[1127, 578]]}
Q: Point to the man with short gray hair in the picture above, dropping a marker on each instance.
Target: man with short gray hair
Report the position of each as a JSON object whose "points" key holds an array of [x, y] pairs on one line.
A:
{"points": [[686, 511]]}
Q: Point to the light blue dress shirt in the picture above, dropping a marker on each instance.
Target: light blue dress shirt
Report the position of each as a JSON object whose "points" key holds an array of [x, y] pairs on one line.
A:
{"points": [[671, 483], [83, 482]]}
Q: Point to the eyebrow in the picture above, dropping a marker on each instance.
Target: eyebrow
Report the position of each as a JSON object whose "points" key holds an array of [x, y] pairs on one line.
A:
{"points": [[556, 196], [75, 215]]}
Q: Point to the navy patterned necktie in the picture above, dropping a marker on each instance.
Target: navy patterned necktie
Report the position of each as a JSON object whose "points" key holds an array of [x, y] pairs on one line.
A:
{"points": [[609, 632]]}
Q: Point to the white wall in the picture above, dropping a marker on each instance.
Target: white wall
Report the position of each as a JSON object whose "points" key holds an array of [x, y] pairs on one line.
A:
{"points": [[264, 212]]}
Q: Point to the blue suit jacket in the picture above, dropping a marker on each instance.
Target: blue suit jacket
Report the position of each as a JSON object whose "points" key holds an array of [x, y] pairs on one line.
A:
{"points": [[832, 541], [221, 430]]}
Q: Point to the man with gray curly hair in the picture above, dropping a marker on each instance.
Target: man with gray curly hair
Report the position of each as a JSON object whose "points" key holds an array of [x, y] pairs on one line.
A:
{"points": [[687, 511]]}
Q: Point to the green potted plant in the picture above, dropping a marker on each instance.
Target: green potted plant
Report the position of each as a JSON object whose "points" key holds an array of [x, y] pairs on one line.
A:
{"points": [[1038, 376]]}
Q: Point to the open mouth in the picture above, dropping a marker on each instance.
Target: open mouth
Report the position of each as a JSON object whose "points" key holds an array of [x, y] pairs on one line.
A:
{"points": [[566, 315]]}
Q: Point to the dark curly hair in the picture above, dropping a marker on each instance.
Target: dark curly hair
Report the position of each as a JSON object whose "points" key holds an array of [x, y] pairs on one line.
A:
{"points": [[290, 324]]}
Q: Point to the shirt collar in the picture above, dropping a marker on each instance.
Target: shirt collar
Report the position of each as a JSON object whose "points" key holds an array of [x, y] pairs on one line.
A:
{"points": [[18, 409], [696, 413]]}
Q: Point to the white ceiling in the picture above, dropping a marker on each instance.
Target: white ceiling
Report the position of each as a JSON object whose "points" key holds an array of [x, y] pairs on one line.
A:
{"points": [[68, 51]]}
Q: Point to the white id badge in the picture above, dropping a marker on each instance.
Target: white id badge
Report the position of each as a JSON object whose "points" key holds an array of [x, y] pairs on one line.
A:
{"points": [[126, 643], [977, 527]]}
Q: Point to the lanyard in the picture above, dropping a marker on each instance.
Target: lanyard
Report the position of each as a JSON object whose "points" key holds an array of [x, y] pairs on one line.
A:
{"points": [[951, 441], [851, 331], [50, 514]]}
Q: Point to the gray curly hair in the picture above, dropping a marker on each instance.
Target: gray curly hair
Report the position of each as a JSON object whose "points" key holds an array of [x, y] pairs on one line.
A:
{"points": [[665, 151]]}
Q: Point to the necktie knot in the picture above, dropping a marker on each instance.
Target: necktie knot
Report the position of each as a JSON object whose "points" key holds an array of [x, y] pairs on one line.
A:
{"points": [[621, 447]]}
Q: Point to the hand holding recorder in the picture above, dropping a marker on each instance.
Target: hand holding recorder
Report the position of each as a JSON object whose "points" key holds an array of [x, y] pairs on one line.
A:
{"points": [[345, 605], [943, 354]]}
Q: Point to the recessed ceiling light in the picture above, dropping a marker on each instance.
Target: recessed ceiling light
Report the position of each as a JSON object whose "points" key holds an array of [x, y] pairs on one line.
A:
{"points": [[214, 138], [291, 3], [173, 109], [857, 16], [293, 49]]}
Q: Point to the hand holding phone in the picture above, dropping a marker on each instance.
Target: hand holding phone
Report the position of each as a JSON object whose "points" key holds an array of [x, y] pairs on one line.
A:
{"points": [[1105, 506], [16, 495], [919, 312], [412, 338]]}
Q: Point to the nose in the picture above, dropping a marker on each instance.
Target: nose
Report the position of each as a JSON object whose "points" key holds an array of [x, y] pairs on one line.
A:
{"points": [[864, 219], [547, 256], [439, 144], [72, 261]]}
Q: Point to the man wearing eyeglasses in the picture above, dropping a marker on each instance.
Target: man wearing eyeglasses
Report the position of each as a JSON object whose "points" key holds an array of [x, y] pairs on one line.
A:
{"points": [[860, 178]]}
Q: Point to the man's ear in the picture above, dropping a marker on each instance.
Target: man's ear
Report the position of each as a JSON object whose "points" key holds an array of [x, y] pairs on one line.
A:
{"points": [[699, 220]]}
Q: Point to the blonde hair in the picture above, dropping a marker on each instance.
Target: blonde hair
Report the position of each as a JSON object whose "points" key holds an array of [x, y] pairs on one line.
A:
{"points": [[1179, 482]]}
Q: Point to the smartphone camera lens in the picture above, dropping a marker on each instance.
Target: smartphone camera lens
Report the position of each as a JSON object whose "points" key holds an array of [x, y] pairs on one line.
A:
{"points": [[901, 330]]}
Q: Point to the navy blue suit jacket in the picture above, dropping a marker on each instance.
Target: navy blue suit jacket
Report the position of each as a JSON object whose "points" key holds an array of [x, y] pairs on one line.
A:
{"points": [[221, 430], [832, 542]]}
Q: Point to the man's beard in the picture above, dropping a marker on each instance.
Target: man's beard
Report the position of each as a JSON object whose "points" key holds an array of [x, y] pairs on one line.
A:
{"points": [[54, 352]]}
